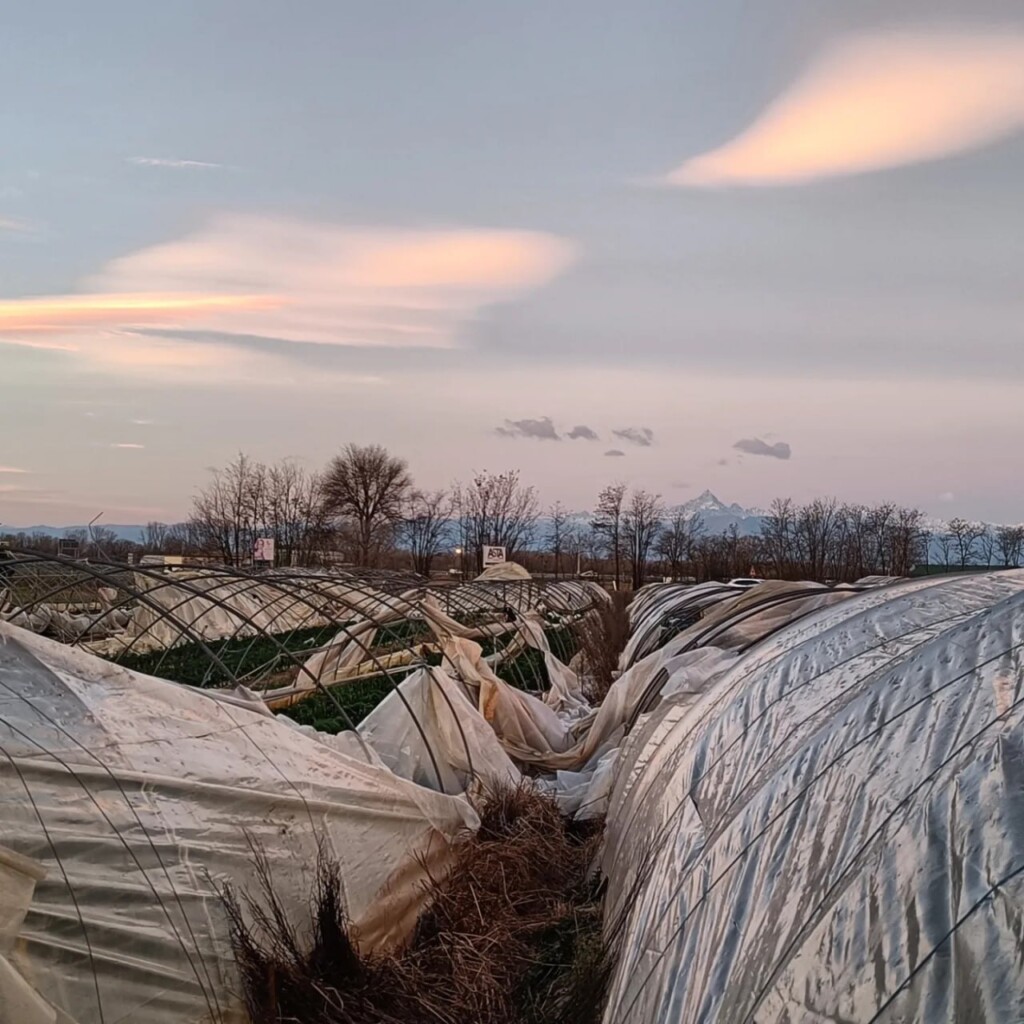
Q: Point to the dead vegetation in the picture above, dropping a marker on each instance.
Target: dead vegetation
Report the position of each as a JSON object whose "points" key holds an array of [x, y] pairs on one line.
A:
{"points": [[512, 935], [601, 635]]}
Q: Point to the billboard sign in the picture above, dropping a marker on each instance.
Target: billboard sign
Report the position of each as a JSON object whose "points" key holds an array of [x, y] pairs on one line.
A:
{"points": [[494, 555], [68, 547], [263, 549]]}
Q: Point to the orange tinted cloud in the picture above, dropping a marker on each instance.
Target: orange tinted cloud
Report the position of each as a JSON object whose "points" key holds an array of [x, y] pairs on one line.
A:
{"points": [[298, 281], [456, 259], [61, 312], [874, 102]]}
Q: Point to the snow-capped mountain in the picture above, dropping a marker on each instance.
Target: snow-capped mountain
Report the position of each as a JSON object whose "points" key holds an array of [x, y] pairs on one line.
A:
{"points": [[717, 516]]}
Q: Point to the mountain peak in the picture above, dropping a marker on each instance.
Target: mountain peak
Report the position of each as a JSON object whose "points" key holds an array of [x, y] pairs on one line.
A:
{"points": [[706, 502]]}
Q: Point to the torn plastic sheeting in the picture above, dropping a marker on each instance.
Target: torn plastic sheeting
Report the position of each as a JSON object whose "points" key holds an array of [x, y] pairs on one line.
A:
{"points": [[835, 822], [348, 654], [674, 605], [725, 616], [69, 625], [150, 793], [759, 611], [461, 742], [530, 730], [584, 794]]}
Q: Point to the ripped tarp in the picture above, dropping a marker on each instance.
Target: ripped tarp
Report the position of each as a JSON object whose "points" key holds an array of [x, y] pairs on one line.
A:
{"points": [[137, 797], [429, 731], [445, 725], [833, 831]]}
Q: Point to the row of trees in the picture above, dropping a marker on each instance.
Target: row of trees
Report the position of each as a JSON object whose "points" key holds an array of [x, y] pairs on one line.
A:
{"points": [[364, 508], [963, 544], [825, 540]]}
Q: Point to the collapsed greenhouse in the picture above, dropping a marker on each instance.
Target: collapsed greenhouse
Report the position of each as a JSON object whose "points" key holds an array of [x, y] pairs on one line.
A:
{"points": [[811, 795]]}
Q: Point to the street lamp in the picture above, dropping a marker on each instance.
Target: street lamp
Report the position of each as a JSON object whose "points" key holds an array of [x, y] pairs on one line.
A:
{"points": [[462, 566]]}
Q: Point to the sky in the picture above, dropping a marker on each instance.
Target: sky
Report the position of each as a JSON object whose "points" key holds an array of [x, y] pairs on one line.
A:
{"points": [[766, 247]]}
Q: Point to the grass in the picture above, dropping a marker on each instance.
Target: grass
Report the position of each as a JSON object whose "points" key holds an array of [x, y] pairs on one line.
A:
{"points": [[511, 935], [358, 699], [402, 634], [601, 636]]}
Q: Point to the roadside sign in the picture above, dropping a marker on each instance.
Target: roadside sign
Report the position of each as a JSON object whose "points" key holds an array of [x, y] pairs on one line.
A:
{"points": [[494, 555], [263, 550], [68, 547]]}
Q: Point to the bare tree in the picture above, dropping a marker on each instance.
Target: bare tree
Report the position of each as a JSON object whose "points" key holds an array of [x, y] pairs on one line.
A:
{"points": [[924, 546], [965, 536], [425, 519], [816, 530], [367, 485], [154, 537], [987, 544], [676, 541], [1010, 543], [246, 500], [904, 540], [641, 522], [574, 541], [827, 541], [778, 530], [222, 511], [102, 543], [946, 545], [496, 509], [557, 522], [294, 512], [607, 524], [182, 539]]}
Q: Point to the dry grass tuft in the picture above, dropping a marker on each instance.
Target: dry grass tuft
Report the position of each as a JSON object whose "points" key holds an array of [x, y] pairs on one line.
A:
{"points": [[512, 935], [602, 635]]}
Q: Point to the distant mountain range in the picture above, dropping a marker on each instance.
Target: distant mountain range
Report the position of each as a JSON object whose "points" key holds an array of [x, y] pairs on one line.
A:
{"points": [[123, 532], [716, 515]]}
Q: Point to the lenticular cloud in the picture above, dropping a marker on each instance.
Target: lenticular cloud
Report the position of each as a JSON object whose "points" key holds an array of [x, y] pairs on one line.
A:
{"points": [[874, 102]]}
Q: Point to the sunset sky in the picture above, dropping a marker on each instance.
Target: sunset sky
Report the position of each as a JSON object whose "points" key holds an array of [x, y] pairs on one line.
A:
{"points": [[769, 248]]}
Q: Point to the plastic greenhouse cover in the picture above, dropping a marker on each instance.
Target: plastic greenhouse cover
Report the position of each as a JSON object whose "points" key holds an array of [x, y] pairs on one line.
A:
{"points": [[834, 829], [133, 797]]}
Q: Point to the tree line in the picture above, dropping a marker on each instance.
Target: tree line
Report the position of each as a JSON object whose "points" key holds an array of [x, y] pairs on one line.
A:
{"points": [[363, 508]]}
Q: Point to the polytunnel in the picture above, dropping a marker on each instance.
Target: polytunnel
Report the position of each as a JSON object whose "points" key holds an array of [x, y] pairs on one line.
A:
{"points": [[813, 794], [832, 827], [131, 798]]}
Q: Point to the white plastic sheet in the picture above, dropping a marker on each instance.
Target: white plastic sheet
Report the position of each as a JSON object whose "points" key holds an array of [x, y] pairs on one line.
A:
{"points": [[834, 830], [136, 796]]}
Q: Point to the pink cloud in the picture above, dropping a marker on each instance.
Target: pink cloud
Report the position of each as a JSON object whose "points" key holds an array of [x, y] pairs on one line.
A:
{"points": [[342, 285], [287, 279], [873, 102]]}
